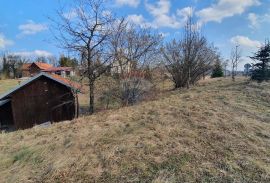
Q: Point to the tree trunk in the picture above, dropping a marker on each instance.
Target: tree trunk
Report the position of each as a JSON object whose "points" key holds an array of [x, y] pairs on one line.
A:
{"points": [[91, 97], [263, 70], [14, 73], [233, 74], [76, 104], [188, 81]]}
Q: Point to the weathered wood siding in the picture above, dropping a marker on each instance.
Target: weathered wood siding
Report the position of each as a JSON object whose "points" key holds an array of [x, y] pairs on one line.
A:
{"points": [[41, 101], [26, 73]]}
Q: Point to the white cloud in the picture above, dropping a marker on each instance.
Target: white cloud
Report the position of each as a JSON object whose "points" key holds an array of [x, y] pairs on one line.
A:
{"points": [[32, 28], [160, 11], [35, 53], [139, 20], [132, 3], [253, 18], [256, 20], [185, 12], [225, 8], [136, 19], [5, 42], [245, 42]]}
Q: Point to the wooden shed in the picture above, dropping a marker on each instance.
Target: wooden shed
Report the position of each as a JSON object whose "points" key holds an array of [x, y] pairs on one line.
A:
{"points": [[43, 98]]}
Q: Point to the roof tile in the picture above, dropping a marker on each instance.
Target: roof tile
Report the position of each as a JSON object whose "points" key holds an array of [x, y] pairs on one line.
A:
{"points": [[43, 66]]}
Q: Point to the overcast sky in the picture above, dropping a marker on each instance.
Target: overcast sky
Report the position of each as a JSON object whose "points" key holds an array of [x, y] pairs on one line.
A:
{"points": [[24, 26]]}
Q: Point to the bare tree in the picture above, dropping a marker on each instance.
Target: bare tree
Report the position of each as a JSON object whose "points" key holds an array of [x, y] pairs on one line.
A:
{"points": [[235, 59], [88, 35], [53, 61], [131, 43], [13, 64], [188, 59], [134, 49]]}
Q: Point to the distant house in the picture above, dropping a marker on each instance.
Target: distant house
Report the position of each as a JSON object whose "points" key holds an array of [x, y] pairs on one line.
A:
{"points": [[38, 67], [43, 98], [25, 70], [61, 71], [121, 67]]}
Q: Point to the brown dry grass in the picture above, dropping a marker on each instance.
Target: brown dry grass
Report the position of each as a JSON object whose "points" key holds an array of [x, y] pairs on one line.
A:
{"points": [[7, 84], [218, 131]]}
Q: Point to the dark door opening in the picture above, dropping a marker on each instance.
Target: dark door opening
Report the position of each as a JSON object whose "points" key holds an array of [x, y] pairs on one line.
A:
{"points": [[6, 117]]}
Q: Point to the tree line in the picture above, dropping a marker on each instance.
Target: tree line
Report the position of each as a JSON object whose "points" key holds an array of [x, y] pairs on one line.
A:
{"points": [[104, 40]]}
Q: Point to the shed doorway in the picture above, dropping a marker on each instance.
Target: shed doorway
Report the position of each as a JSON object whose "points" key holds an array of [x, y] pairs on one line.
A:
{"points": [[6, 117]]}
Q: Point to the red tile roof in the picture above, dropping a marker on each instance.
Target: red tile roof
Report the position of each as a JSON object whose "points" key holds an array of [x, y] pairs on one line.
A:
{"points": [[43, 66], [46, 67], [73, 84], [54, 69]]}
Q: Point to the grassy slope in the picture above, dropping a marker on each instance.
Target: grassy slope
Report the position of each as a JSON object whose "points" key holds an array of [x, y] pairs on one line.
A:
{"points": [[6, 85], [215, 132]]}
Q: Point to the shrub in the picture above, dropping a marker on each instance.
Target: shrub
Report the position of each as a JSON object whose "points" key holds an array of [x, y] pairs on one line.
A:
{"points": [[133, 89]]}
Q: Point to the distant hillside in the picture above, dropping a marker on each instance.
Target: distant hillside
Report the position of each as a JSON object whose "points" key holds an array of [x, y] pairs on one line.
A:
{"points": [[218, 131]]}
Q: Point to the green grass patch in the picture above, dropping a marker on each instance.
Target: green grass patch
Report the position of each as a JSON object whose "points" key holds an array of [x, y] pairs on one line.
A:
{"points": [[25, 155]]}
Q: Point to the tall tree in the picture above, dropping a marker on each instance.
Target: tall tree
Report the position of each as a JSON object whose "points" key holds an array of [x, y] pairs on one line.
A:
{"points": [[12, 65], [87, 34], [5, 66], [42, 59], [261, 69], [67, 61], [235, 59]]}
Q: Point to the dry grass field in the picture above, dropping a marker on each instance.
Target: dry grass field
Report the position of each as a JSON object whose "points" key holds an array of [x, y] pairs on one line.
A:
{"points": [[8, 84], [218, 131]]}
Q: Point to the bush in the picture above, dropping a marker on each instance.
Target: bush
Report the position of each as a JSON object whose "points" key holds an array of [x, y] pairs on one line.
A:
{"points": [[109, 97], [258, 75], [133, 89]]}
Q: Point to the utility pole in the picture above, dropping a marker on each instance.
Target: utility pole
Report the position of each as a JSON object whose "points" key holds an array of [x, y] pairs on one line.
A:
{"points": [[225, 64], [235, 62]]}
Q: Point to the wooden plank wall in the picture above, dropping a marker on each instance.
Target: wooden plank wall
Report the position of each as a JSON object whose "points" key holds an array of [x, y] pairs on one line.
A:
{"points": [[33, 104]]}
